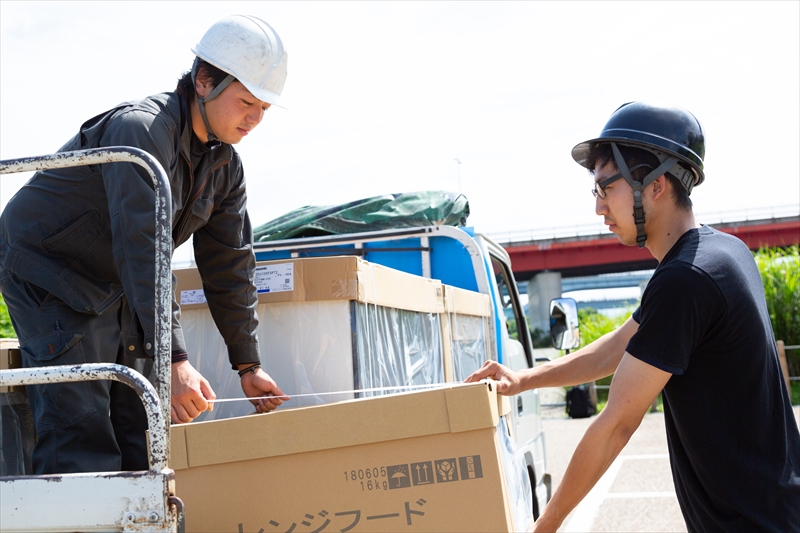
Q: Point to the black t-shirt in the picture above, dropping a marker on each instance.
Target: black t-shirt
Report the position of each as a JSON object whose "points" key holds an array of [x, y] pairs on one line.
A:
{"points": [[733, 441]]}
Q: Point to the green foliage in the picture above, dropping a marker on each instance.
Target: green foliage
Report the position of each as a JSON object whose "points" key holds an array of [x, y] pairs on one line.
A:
{"points": [[6, 330], [780, 273], [594, 324], [795, 392]]}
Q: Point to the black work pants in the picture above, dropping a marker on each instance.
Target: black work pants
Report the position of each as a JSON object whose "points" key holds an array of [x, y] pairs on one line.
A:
{"points": [[88, 426]]}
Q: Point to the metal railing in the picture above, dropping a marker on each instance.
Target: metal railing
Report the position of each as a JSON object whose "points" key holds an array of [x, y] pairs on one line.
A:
{"points": [[156, 399], [586, 230]]}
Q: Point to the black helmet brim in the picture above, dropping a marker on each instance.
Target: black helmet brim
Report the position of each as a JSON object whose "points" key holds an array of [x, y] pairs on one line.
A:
{"points": [[668, 130]]}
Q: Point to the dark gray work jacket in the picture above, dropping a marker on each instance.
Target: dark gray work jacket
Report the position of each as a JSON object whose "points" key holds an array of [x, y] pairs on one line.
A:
{"points": [[86, 234]]}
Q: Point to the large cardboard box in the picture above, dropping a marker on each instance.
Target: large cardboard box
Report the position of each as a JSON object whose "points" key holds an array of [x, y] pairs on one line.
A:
{"points": [[325, 325], [423, 461], [316, 279]]}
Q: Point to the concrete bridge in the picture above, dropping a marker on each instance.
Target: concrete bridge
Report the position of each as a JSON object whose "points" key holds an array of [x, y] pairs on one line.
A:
{"points": [[547, 263]]}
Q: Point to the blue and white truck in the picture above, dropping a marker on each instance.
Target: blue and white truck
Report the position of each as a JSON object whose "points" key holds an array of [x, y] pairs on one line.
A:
{"points": [[458, 257]]}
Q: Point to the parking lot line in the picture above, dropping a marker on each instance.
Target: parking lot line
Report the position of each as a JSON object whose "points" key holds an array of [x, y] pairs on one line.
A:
{"points": [[584, 514]]}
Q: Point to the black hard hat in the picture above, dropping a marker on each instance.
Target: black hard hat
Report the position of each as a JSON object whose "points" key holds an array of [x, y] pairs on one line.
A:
{"points": [[659, 129]]}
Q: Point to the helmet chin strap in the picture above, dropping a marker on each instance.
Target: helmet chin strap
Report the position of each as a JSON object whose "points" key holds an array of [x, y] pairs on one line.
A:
{"points": [[638, 187], [213, 140]]}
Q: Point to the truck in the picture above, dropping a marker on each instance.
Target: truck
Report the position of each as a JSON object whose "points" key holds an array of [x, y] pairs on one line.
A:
{"points": [[460, 257], [455, 256]]}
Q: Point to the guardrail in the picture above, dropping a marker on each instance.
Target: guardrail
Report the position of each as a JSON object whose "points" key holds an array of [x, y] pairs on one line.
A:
{"points": [[583, 230]]}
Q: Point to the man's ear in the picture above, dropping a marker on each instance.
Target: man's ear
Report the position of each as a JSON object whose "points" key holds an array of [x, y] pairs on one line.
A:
{"points": [[659, 186], [202, 83]]}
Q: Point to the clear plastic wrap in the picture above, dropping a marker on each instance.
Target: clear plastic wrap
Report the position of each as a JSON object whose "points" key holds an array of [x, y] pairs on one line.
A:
{"points": [[317, 347], [468, 343], [396, 347], [518, 483]]}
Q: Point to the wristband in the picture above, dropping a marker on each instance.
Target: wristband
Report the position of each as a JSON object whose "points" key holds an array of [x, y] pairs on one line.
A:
{"points": [[178, 357], [249, 370]]}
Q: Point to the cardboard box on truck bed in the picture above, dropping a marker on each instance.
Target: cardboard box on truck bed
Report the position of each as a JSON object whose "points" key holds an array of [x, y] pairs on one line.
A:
{"points": [[421, 461], [326, 324], [314, 279]]}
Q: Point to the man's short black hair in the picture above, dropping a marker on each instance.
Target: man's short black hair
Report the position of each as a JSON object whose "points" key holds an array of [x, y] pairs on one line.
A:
{"points": [[205, 71], [601, 154]]}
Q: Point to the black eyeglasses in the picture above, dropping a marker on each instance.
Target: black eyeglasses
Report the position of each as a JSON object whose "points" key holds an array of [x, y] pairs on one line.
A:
{"points": [[599, 189]]}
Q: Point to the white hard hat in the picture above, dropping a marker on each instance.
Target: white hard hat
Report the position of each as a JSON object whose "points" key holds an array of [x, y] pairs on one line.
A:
{"points": [[248, 49]]}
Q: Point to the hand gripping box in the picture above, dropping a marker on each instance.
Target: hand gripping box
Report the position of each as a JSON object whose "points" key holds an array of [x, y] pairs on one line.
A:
{"points": [[412, 462], [326, 324]]}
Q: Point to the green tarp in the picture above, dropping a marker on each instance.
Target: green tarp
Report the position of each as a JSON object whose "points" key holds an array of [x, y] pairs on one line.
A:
{"points": [[403, 210]]}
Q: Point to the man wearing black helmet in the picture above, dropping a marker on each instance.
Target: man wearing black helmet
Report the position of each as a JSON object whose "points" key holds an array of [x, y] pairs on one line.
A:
{"points": [[701, 335]]}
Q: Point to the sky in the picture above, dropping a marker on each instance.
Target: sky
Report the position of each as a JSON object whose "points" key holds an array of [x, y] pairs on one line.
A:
{"points": [[384, 97]]}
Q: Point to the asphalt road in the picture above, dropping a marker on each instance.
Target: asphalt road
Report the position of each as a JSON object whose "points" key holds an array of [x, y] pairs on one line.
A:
{"points": [[636, 494]]}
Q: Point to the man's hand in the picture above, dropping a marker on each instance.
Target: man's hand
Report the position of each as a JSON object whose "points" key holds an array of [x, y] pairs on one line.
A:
{"points": [[508, 382], [258, 383], [190, 393]]}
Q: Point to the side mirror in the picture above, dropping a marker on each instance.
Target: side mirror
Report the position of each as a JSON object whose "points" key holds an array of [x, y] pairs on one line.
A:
{"points": [[564, 330]]}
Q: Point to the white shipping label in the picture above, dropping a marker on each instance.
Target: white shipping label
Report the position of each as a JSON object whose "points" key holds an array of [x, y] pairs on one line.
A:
{"points": [[275, 278], [196, 296]]}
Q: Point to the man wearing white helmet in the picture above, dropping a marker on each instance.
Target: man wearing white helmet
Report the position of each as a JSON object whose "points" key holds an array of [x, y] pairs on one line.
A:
{"points": [[76, 249], [701, 337]]}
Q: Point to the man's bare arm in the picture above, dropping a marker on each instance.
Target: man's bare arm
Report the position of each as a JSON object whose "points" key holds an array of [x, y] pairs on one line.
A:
{"points": [[595, 361], [634, 387]]}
